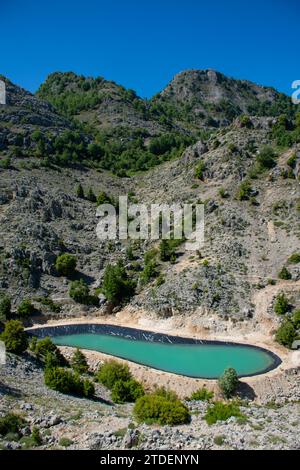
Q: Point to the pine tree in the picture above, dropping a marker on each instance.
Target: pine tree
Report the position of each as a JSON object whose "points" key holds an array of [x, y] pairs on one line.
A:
{"points": [[91, 195], [80, 191], [79, 362]]}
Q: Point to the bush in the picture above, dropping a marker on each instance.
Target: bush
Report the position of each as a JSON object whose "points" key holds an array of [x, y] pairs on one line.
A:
{"points": [[161, 407], [284, 274], [103, 198], [149, 271], [167, 249], [199, 170], [14, 337], [79, 362], [65, 442], [266, 158], [36, 436], [91, 195], [65, 381], [296, 318], [116, 285], [25, 309], [294, 258], [66, 264], [286, 334], [202, 394], [228, 382], [48, 352], [244, 191], [111, 372], [80, 191], [5, 308], [281, 305], [245, 121], [79, 292], [11, 423], [221, 412], [126, 391]]}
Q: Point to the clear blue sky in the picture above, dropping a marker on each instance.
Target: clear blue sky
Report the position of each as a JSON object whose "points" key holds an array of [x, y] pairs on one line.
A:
{"points": [[142, 44]]}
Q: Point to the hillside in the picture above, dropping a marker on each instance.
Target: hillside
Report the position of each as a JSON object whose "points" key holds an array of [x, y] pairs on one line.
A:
{"points": [[206, 138], [206, 98]]}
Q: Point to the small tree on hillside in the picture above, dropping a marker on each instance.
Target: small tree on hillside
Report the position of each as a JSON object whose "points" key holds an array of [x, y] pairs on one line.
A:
{"points": [[91, 195], [25, 309], [281, 305], [66, 264], [80, 191], [79, 292], [79, 362], [116, 285], [228, 382], [14, 337], [5, 308], [285, 274]]}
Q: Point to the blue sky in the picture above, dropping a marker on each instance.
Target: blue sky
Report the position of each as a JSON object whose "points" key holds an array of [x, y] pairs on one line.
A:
{"points": [[143, 44]]}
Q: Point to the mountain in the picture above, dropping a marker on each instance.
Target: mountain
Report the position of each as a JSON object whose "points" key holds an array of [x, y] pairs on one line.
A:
{"points": [[99, 102], [101, 123], [80, 142], [23, 114], [208, 98]]}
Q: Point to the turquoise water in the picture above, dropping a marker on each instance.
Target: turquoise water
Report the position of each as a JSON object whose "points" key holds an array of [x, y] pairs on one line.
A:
{"points": [[193, 360]]}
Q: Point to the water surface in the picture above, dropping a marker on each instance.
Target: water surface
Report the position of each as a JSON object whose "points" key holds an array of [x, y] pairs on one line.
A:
{"points": [[193, 360]]}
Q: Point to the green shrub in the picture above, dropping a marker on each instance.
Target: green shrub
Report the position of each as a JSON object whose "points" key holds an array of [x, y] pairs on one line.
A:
{"points": [[116, 284], [149, 271], [228, 382], [80, 191], [65, 442], [199, 170], [79, 362], [161, 407], [48, 352], [244, 191], [167, 249], [266, 158], [14, 337], [48, 302], [91, 195], [79, 291], [245, 121], [286, 333], [11, 423], [219, 440], [202, 394], [36, 436], [103, 198], [25, 309], [284, 274], [296, 318], [223, 193], [65, 381], [66, 264], [221, 412], [126, 391], [111, 372], [281, 305], [5, 307], [294, 258], [129, 253]]}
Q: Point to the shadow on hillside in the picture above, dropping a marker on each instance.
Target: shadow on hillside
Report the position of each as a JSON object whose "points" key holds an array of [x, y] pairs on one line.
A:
{"points": [[10, 391], [245, 392]]}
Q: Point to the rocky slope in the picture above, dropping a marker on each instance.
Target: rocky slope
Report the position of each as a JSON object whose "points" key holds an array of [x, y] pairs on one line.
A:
{"points": [[228, 287], [96, 425], [23, 114], [209, 98]]}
